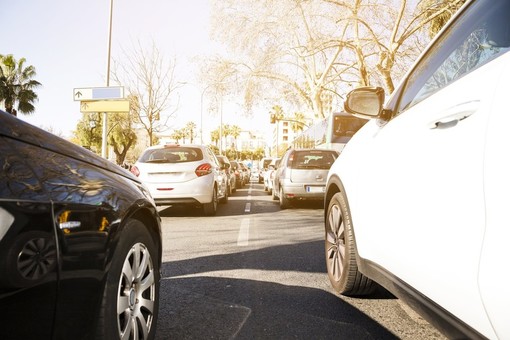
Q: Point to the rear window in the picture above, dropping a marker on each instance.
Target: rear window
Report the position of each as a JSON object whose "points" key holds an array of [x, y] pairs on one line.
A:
{"points": [[312, 159], [172, 155]]}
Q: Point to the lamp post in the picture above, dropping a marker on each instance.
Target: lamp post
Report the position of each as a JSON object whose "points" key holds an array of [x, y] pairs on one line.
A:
{"points": [[105, 115], [202, 114], [202, 108]]}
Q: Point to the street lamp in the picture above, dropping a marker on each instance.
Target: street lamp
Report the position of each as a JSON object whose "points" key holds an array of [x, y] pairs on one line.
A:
{"points": [[202, 109], [105, 116]]}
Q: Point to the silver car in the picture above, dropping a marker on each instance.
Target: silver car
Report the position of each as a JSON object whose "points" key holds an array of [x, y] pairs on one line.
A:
{"points": [[183, 175], [301, 175]]}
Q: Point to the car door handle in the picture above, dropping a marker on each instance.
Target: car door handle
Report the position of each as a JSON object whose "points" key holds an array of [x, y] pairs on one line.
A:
{"points": [[452, 116]]}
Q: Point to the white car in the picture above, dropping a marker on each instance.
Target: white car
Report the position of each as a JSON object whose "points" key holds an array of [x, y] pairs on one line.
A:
{"points": [[183, 175], [269, 176], [416, 200]]}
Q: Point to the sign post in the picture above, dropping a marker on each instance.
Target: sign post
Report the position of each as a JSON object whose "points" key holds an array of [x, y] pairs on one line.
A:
{"points": [[102, 99]]}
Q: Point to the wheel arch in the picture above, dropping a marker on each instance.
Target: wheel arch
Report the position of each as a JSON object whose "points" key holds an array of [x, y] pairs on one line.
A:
{"points": [[146, 213]]}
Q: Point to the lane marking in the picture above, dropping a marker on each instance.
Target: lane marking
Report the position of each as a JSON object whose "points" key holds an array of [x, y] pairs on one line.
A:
{"points": [[247, 207], [244, 233]]}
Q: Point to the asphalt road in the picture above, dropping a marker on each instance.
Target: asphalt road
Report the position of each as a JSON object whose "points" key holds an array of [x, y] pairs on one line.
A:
{"points": [[257, 272]]}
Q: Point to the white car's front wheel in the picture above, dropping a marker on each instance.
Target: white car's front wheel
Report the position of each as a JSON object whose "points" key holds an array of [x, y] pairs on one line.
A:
{"points": [[340, 251]]}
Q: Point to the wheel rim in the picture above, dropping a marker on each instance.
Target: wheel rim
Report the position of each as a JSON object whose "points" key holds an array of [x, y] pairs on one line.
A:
{"points": [[335, 242], [137, 294], [37, 258]]}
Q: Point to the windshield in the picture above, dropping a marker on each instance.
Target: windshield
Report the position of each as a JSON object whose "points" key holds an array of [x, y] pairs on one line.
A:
{"points": [[171, 155], [312, 159]]}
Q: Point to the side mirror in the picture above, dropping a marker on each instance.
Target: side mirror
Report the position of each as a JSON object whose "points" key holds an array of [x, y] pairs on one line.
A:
{"points": [[365, 102]]}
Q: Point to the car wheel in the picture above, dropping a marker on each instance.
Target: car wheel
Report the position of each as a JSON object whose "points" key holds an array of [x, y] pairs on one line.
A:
{"points": [[273, 194], [224, 199], [284, 202], [130, 300], [29, 260], [211, 207], [340, 251]]}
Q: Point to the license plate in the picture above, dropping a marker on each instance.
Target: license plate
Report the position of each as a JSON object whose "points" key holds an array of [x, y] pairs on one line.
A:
{"points": [[315, 189]]}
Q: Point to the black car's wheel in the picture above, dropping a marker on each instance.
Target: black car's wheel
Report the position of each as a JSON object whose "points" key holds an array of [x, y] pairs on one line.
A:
{"points": [[284, 201], [340, 251], [211, 207], [29, 260], [130, 300]]}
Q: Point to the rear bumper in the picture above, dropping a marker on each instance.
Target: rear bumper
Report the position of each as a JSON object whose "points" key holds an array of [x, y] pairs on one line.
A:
{"points": [[177, 201], [299, 192]]}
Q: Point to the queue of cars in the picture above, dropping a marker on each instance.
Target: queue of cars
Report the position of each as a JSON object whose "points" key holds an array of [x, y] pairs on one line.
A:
{"points": [[190, 175]]}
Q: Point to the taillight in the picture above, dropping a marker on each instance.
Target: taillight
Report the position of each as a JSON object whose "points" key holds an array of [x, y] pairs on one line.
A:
{"points": [[203, 169], [134, 170]]}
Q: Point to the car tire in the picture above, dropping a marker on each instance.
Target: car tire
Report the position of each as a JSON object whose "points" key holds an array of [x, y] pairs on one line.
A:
{"points": [[224, 199], [130, 300], [273, 194], [284, 201], [340, 251], [211, 207]]}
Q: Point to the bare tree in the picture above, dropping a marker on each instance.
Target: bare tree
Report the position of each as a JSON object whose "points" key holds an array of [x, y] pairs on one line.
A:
{"points": [[307, 53], [149, 78]]}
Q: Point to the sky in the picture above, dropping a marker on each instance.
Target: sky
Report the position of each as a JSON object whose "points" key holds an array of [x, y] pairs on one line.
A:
{"points": [[67, 43]]}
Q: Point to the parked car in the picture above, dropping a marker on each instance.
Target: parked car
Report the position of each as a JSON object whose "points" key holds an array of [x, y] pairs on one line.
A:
{"points": [[80, 242], [263, 164], [238, 173], [231, 177], [269, 176], [183, 175], [254, 174], [245, 172], [301, 175], [417, 200]]}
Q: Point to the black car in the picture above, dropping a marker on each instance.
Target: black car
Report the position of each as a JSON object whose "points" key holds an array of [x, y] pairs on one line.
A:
{"points": [[80, 242]]}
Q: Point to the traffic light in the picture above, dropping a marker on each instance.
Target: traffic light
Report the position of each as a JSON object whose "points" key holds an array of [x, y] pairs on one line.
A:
{"points": [[273, 118]]}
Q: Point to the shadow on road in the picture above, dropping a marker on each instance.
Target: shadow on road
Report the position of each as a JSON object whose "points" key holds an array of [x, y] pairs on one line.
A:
{"points": [[225, 308]]}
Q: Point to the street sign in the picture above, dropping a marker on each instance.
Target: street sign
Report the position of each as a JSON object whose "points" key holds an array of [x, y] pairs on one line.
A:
{"points": [[104, 106], [98, 93]]}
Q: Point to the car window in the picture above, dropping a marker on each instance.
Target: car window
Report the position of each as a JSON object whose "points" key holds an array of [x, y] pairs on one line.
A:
{"points": [[480, 35], [313, 159], [212, 157], [172, 155]]}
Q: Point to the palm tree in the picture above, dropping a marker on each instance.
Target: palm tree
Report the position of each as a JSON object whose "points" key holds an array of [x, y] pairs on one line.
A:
{"points": [[299, 123], [235, 131], [177, 135], [226, 132], [16, 85], [215, 136], [189, 131]]}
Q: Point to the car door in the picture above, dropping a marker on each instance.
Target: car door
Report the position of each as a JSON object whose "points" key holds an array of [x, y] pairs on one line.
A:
{"points": [[28, 248], [427, 217]]}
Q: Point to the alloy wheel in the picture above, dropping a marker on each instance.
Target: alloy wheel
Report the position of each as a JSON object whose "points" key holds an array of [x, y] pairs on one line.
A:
{"points": [[137, 294]]}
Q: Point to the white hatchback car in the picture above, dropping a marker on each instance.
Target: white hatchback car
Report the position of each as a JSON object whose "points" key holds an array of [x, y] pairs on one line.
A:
{"points": [[416, 200], [183, 175]]}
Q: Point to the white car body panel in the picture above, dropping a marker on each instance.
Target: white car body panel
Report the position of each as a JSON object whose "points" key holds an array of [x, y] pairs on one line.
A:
{"points": [[494, 268], [452, 190]]}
